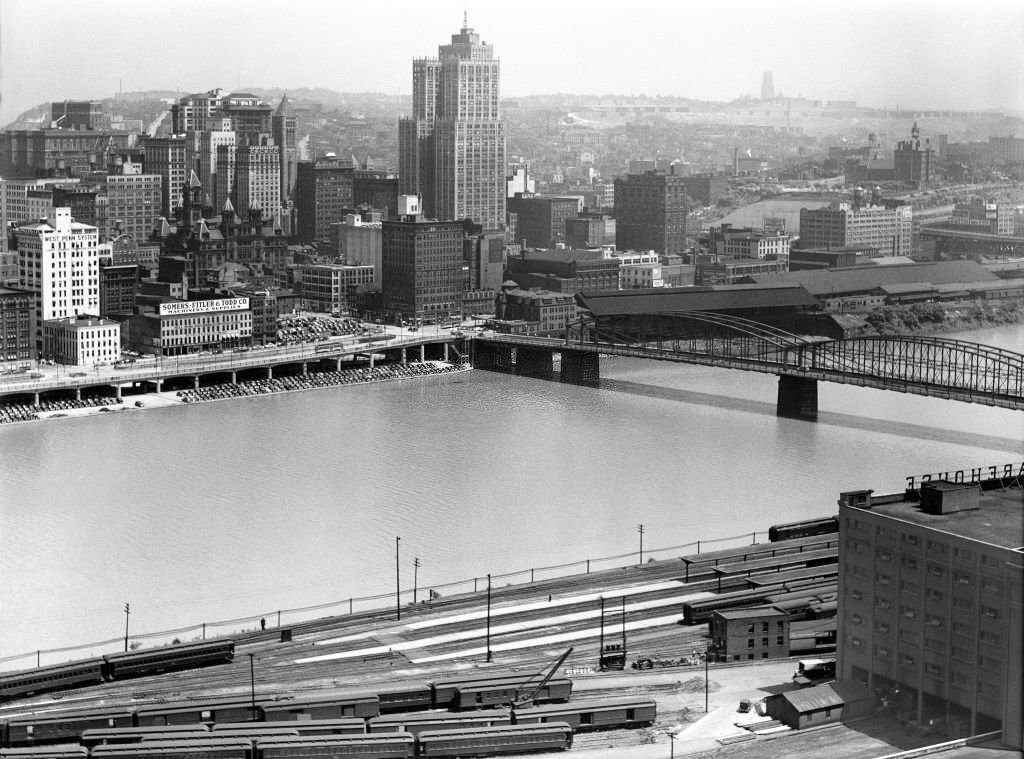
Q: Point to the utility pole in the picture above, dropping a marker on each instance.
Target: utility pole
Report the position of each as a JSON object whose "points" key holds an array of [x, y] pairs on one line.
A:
{"points": [[415, 577], [488, 617], [127, 611], [252, 687], [398, 582], [640, 529]]}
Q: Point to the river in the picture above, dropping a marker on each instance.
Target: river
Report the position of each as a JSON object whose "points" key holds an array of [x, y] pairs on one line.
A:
{"points": [[238, 508]]}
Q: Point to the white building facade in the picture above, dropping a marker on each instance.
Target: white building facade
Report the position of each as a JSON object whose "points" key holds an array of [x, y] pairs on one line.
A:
{"points": [[59, 261]]}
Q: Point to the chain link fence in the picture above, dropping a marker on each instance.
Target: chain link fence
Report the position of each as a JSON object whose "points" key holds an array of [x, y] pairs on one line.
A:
{"points": [[285, 618]]}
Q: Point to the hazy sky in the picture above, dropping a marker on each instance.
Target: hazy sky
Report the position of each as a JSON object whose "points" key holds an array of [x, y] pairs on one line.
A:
{"points": [[935, 54]]}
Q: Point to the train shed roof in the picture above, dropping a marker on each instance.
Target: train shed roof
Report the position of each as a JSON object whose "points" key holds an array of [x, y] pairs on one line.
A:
{"points": [[662, 300]]}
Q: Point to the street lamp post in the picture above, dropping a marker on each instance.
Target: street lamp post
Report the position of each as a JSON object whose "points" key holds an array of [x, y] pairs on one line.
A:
{"points": [[671, 744], [640, 529], [252, 688], [707, 685], [398, 582]]}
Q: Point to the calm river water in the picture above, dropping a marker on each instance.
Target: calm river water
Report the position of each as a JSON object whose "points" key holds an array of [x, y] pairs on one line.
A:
{"points": [[230, 509]]}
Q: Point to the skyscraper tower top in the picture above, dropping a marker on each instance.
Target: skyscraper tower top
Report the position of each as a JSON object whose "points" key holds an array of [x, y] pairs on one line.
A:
{"points": [[466, 45], [767, 86]]}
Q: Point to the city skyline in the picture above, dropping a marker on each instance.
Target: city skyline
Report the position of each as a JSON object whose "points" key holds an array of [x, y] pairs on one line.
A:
{"points": [[876, 54]]}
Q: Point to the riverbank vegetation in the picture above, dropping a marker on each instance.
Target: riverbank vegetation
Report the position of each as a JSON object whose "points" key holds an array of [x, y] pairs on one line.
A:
{"points": [[938, 318]]}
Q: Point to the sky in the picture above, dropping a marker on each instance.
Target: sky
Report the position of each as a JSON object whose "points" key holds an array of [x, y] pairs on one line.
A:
{"points": [[910, 53]]}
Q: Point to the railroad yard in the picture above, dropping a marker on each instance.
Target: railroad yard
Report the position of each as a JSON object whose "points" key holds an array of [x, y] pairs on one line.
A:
{"points": [[527, 628]]}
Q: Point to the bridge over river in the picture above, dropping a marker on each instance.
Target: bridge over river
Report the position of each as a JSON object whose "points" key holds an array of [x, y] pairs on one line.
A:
{"points": [[932, 366]]}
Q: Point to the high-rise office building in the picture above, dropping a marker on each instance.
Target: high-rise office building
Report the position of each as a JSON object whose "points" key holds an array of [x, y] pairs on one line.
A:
{"points": [[452, 148], [283, 126], [323, 194], [166, 156], [845, 224], [422, 266], [650, 212], [59, 262]]}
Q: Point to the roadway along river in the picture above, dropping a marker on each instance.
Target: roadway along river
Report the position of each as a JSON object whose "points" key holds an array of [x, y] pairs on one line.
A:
{"points": [[220, 510]]}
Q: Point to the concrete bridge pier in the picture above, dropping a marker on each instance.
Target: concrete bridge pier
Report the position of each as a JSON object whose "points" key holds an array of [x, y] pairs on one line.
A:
{"points": [[270, 372], [305, 369], [78, 393], [195, 382], [446, 353], [234, 378], [535, 363], [117, 392], [423, 354], [35, 399], [337, 364], [493, 358], [798, 398], [580, 367], [372, 357]]}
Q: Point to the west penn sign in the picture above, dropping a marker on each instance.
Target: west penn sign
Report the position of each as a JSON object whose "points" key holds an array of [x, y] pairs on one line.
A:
{"points": [[203, 306], [979, 474]]}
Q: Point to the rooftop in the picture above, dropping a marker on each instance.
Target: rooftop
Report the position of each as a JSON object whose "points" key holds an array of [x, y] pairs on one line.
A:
{"points": [[998, 521]]}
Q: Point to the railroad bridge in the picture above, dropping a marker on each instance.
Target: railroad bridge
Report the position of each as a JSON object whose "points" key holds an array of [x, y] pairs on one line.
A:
{"points": [[932, 366]]}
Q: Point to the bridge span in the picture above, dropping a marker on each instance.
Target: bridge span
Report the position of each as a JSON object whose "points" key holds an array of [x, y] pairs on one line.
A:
{"points": [[931, 366]]}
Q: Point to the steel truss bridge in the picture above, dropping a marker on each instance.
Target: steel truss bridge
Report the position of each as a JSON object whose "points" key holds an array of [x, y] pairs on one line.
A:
{"points": [[931, 366]]}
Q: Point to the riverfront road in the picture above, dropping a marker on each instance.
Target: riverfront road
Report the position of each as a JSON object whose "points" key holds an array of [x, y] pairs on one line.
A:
{"points": [[157, 369]]}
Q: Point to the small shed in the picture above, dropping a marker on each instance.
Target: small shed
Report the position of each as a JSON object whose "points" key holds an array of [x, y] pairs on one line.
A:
{"points": [[821, 704]]}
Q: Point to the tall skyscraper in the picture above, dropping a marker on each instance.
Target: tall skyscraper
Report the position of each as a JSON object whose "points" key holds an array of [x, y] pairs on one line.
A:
{"points": [[58, 261], [452, 148]]}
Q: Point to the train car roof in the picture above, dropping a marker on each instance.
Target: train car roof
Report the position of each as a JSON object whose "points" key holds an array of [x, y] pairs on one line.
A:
{"points": [[172, 649], [58, 749], [293, 724], [69, 716], [332, 698], [23, 673], [329, 740], [428, 735], [115, 732], [485, 677], [440, 714], [587, 705], [172, 746], [185, 706]]}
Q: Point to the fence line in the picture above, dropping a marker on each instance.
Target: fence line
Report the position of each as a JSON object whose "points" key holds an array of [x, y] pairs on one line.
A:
{"points": [[281, 617]]}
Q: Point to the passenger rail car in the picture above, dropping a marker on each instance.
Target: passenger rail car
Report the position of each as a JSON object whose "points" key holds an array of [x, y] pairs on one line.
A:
{"points": [[195, 712], [803, 529], [593, 715], [182, 656], [76, 674], [119, 735], [61, 728], [348, 726], [416, 722], [388, 746], [350, 704], [62, 751], [70, 675], [207, 748], [489, 741]]}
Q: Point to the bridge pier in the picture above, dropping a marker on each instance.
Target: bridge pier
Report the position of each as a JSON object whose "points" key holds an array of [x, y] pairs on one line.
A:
{"points": [[337, 364], [234, 378], [195, 382], [423, 353], [78, 393], [117, 392], [580, 367], [305, 369], [798, 398], [372, 357], [534, 363], [270, 372], [35, 399]]}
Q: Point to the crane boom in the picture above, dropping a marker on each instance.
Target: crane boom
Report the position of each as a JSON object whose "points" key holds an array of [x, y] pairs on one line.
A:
{"points": [[528, 698]]}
